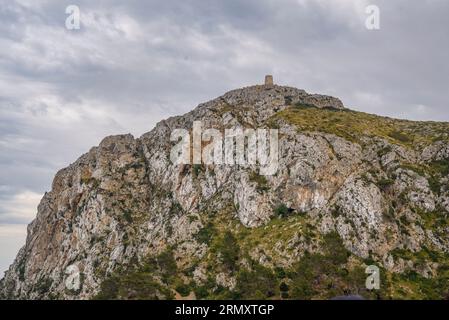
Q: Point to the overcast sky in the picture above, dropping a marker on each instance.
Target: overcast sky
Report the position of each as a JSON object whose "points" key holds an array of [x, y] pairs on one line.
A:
{"points": [[132, 64]]}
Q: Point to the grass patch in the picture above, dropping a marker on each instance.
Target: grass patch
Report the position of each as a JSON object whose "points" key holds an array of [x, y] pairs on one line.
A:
{"points": [[353, 125]]}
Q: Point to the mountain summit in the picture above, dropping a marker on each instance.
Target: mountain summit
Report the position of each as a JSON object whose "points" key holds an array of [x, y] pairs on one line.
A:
{"points": [[351, 190]]}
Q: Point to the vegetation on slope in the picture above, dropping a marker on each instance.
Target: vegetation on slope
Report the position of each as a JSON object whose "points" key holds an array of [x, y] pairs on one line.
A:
{"points": [[329, 272], [353, 125]]}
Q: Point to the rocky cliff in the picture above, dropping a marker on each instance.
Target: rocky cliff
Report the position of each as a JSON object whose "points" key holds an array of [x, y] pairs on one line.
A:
{"points": [[351, 190]]}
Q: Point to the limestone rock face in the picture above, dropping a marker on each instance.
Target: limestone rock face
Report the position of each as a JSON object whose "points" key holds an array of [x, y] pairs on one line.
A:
{"points": [[125, 200]]}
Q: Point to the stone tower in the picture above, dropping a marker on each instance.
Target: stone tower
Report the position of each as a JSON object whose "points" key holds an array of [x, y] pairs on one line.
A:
{"points": [[268, 80]]}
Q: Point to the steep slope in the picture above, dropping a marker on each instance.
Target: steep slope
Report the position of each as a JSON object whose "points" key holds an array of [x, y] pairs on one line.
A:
{"points": [[351, 190]]}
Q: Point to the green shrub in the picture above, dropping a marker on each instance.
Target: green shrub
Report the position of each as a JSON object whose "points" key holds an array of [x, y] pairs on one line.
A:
{"points": [[138, 286], [205, 234], [140, 282], [399, 136], [44, 284], [201, 292], [441, 167], [127, 216], [304, 275], [281, 210], [260, 283], [335, 249], [166, 264], [283, 287], [384, 184], [183, 289], [435, 185], [196, 170], [229, 250], [315, 272], [21, 270], [260, 180], [108, 289], [280, 272]]}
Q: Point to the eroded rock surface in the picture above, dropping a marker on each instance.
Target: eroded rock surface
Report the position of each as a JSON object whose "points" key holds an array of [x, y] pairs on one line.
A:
{"points": [[125, 200]]}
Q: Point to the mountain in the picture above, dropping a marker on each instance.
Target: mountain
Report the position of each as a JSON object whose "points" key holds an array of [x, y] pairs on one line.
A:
{"points": [[350, 190]]}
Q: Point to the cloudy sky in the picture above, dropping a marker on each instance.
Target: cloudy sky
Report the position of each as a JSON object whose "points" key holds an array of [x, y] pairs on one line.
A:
{"points": [[133, 63]]}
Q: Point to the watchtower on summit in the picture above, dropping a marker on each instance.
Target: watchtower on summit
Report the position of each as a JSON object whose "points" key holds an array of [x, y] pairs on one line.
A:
{"points": [[268, 80]]}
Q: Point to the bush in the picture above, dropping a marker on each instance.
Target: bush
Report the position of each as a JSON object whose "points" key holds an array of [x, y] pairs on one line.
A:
{"points": [[166, 264], [306, 270], [196, 170], [44, 284], [334, 248], [21, 270], [229, 250], [108, 289], [183, 289], [399, 136], [127, 216], [384, 184], [314, 271], [280, 272], [435, 185], [205, 234], [283, 287], [201, 292], [261, 181], [138, 286], [441, 167], [260, 283], [140, 282], [282, 210]]}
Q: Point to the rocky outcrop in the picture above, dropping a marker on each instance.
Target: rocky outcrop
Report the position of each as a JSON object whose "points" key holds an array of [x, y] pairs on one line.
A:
{"points": [[125, 200]]}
